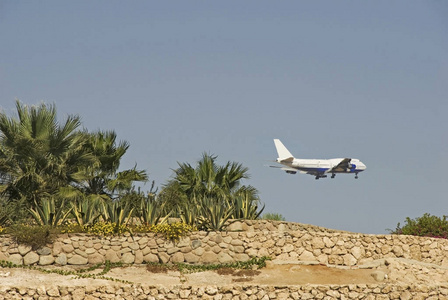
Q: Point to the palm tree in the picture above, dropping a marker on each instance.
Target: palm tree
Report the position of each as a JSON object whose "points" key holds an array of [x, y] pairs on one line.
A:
{"points": [[209, 179], [103, 180], [39, 155], [220, 185]]}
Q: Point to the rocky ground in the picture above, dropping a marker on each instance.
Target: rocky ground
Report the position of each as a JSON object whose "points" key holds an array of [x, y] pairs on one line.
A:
{"points": [[275, 273]]}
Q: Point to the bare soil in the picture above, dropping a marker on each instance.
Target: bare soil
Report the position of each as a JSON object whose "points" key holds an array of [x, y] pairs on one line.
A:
{"points": [[273, 274]]}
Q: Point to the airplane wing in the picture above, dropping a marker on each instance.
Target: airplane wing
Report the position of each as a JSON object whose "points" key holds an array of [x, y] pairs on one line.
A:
{"points": [[287, 159], [287, 170], [342, 166]]}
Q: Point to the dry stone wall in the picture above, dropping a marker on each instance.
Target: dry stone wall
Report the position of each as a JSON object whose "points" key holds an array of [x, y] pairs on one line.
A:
{"points": [[233, 292], [281, 241], [243, 240]]}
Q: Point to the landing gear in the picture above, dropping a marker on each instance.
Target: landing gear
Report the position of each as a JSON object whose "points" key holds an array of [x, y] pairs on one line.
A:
{"points": [[333, 175], [356, 175]]}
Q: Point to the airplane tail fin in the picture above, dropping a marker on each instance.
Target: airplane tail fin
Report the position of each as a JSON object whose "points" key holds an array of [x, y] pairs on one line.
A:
{"points": [[283, 153]]}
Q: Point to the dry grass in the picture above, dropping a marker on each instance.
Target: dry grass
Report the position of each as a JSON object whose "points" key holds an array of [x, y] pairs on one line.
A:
{"points": [[157, 268]]}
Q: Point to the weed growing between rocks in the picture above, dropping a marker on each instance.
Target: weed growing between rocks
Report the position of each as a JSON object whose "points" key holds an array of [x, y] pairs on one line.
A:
{"points": [[241, 269], [81, 273], [250, 265], [34, 236]]}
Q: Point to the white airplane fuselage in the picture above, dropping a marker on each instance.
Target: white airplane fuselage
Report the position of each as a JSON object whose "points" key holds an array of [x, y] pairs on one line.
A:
{"points": [[319, 168]]}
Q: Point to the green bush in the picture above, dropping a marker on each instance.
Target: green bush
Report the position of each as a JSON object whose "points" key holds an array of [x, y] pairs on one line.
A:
{"points": [[34, 236], [172, 231], [426, 225], [273, 216]]}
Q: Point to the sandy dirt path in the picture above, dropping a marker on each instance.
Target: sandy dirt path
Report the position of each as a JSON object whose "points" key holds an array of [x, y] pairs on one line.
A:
{"points": [[273, 274]]}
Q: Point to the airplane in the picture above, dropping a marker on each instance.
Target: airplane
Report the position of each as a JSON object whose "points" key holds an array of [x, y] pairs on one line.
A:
{"points": [[316, 167]]}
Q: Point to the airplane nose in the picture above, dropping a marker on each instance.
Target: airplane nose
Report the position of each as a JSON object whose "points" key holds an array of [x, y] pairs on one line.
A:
{"points": [[362, 166]]}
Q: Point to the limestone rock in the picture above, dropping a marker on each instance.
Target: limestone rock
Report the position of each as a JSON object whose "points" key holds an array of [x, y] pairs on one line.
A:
{"points": [[81, 253], [317, 243], [177, 258], [30, 258], [77, 260], [398, 251], [61, 259], [349, 260], [241, 257], [128, 258], [57, 248], [143, 241], [209, 257], [138, 257], [67, 248], [151, 258], [378, 275], [307, 256], [24, 249], [235, 226], [357, 252], [53, 292], [90, 251], [95, 258], [191, 258], [112, 256], [224, 258], [15, 259], [45, 260], [328, 242], [163, 257], [3, 256], [44, 251]]}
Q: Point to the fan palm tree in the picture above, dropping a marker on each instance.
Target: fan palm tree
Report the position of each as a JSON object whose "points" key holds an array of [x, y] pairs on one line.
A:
{"points": [[220, 185], [39, 155], [103, 180], [209, 179]]}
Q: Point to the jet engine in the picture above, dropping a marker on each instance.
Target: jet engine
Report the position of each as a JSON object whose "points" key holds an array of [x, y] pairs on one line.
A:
{"points": [[352, 167]]}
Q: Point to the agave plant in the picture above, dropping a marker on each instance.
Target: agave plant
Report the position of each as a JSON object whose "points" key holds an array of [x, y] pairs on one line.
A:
{"points": [[85, 211], [151, 211], [216, 214], [45, 213], [190, 213], [245, 206], [115, 212]]}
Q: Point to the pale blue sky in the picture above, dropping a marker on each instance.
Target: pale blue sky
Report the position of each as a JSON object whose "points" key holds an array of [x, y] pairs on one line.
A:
{"points": [[363, 79]]}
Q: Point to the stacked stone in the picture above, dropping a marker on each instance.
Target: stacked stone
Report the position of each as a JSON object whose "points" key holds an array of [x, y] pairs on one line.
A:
{"points": [[240, 243], [269, 225], [344, 249], [410, 271], [234, 292]]}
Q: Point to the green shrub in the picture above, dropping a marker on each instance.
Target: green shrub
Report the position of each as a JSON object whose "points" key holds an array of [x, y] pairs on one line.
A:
{"points": [[273, 217], [172, 231], [426, 225], [98, 228], [106, 228], [34, 236]]}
